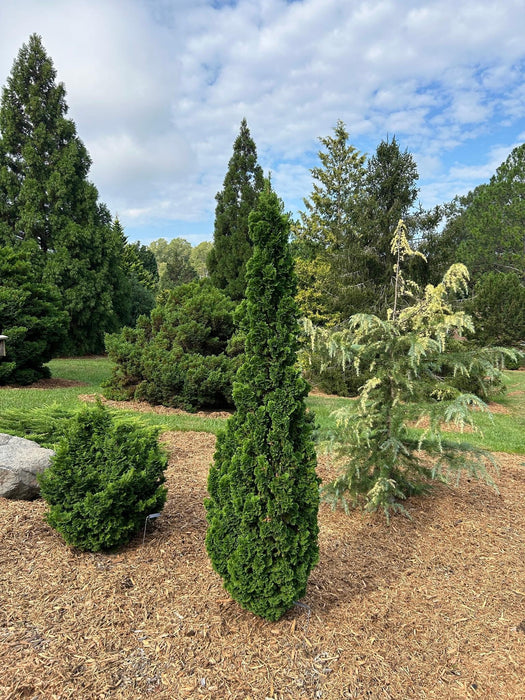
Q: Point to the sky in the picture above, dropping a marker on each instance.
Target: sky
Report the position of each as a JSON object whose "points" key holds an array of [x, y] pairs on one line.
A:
{"points": [[158, 89]]}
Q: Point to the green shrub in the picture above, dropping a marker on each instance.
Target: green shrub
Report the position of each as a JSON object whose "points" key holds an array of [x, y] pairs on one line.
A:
{"points": [[180, 356], [105, 478], [29, 315], [42, 424], [264, 496]]}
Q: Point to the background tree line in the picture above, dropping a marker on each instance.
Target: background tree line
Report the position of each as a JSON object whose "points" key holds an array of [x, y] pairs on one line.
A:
{"points": [[64, 255]]}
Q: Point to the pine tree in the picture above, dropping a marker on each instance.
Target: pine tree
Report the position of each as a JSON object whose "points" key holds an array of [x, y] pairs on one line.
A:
{"points": [[45, 196], [262, 510], [232, 246], [491, 221]]}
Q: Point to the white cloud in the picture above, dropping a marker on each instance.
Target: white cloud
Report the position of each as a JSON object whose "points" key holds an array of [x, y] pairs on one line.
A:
{"points": [[158, 88]]}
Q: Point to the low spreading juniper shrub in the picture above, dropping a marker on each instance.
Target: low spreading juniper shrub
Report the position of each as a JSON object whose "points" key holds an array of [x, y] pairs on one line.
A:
{"points": [[105, 478]]}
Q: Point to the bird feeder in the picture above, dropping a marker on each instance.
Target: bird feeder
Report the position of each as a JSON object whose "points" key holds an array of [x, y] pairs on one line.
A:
{"points": [[3, 338]]}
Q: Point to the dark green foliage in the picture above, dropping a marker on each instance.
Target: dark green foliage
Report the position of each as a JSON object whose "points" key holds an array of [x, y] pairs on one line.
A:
{"points": [[45, 197], [484, 229], [492, 221], [497, 306], [332, 263], [135, 291], [179, 355], [262, 510], [105, 478], [391, 190], [142, 302], [232, 245], [140, 260], [342, 242], [29, 316]]}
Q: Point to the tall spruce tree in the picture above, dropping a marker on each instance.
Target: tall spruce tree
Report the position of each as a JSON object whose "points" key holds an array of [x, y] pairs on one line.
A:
{"points": [[45, 196], [331, 259], [232, 246], [264, 498], [391, 191]]}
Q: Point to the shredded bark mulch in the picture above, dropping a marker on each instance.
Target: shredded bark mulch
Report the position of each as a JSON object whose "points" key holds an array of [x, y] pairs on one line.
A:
{"points": [[432, 607], [145, 407], [51, 383]]}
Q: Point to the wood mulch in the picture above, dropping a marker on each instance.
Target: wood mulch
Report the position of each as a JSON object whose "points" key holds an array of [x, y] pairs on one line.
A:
{"points": [[51, 383], [145, 407], [432, 607]]}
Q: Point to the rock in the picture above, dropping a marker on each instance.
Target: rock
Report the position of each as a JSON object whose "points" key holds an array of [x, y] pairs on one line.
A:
{"points": [[20, 461]]}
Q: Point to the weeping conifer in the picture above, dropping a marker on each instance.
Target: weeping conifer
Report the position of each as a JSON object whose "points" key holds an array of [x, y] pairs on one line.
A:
{"points": [[264, 498]]}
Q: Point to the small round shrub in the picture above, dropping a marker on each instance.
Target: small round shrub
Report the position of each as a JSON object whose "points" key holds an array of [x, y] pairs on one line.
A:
{"points": [[105, 478]]}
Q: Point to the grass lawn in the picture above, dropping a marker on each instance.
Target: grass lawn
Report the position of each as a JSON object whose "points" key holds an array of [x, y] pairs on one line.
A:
{"points": [[502, 431]]}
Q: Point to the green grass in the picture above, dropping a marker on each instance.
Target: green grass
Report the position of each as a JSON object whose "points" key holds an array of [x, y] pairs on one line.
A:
{"points": [[93, 371], [505, 432], [498, 432], [501, 433]]}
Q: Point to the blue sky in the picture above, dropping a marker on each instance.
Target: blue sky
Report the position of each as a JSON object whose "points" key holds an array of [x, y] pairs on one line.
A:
{"points": [[158, 88]]}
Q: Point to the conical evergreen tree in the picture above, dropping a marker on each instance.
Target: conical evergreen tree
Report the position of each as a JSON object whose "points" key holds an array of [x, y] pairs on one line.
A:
{"points": [[232, 246], [391, 191], [45, 196], [264, 498], [331, 256]]}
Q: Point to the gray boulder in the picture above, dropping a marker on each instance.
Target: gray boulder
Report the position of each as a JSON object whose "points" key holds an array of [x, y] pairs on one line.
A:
{"points": [[20, 461]]}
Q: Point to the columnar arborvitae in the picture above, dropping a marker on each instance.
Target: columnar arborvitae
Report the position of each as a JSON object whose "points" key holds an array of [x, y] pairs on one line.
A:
{"points": [[232, 246], [262, 510]]}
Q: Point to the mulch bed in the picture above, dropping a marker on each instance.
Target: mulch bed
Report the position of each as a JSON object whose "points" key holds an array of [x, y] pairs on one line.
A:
{"points": [[51, 383], [432, 607], [145, 407]]}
